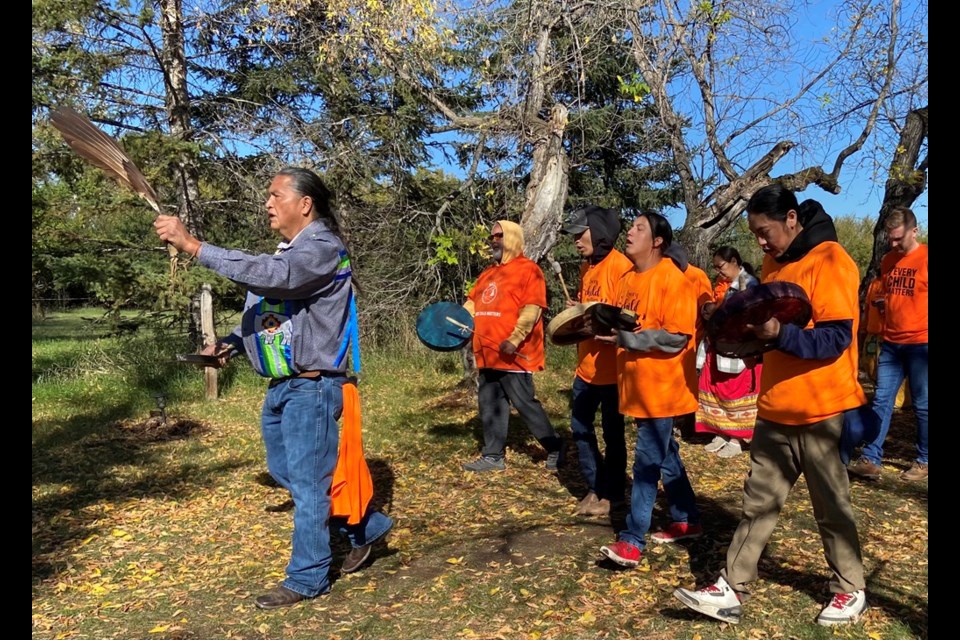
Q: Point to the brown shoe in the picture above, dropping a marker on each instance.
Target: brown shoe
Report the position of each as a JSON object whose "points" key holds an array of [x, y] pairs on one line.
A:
{"points": [[916, 472], [279, 597], [356, 558], [588, 500], [600, 508], [865, 469]]}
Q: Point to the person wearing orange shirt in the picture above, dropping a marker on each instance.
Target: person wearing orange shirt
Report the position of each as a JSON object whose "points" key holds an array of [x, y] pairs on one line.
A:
{"points": [[904, 349], [507, 304], [871, 336], [595, 231], [656, 381], [685, 425], [809, 380]]}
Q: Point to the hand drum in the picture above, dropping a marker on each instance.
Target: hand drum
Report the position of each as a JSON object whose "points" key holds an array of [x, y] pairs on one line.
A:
{"points": [[438, 333], [727, 327]]}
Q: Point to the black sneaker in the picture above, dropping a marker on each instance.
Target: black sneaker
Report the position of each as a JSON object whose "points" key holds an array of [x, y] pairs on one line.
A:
{"points": [[555, 458]]}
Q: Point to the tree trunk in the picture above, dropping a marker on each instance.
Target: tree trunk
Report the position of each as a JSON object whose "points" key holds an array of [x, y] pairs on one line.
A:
{"points": [[547, 190], [177, 101]]}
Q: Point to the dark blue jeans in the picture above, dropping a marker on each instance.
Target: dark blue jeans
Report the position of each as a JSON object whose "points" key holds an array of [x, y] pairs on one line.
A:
{"points": [[656, 457], [605, 476], [895, 362]]}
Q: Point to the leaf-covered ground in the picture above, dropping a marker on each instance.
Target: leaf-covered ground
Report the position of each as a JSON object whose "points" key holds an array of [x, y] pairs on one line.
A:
{"points": [[146, 529]]}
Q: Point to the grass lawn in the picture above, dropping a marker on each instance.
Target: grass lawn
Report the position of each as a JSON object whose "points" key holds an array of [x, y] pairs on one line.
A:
{"points": [[168, 530]]}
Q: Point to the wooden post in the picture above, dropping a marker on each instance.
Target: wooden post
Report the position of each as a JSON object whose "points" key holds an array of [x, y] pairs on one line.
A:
{"points": [[209, 337]]}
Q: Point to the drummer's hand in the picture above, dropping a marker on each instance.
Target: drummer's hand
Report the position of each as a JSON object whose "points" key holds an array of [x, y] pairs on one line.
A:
{"points": [[508, 348], [589, 326], [708, 309], [610, 338], [571, 303], [218, 349], [769, 330]]}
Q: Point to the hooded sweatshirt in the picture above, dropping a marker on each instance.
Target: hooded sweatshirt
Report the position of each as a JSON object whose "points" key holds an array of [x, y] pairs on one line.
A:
{"points": [[604, 229], [812, 374], [496, 301], [597, 361]]}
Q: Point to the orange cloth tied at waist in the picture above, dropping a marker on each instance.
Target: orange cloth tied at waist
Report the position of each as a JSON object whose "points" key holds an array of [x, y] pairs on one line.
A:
{"points": [[352, 486]]}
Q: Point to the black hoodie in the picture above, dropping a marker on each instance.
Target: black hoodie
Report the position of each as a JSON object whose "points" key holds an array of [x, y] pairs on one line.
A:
{"points": [[826, 339], [604, 230], [817, 227]]}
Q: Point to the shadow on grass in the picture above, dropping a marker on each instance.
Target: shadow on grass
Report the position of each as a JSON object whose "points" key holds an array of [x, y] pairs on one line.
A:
{"points": [[382, 500], [81, 454], [708, 557]]}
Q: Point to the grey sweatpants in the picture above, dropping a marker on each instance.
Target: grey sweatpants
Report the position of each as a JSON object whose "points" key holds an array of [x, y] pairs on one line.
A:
{"points": [[497, 391]]}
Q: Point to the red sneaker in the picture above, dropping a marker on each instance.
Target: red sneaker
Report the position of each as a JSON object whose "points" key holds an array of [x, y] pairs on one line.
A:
{"points": [[678, 531], [623, 553]]}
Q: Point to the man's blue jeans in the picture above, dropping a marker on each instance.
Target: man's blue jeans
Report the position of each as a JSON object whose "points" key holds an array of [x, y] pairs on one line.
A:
{"points": [[895, 362], [301, 436], [657, 456], [374, 525], [604, 475]]}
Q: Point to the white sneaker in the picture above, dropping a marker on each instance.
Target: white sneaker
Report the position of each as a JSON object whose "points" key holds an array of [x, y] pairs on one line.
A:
{"points": [[718, 601], [844, 608], [730, 449], [714, 445]]}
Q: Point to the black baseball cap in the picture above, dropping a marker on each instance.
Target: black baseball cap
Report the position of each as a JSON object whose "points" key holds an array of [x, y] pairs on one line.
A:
{"points": [[576, 221]]}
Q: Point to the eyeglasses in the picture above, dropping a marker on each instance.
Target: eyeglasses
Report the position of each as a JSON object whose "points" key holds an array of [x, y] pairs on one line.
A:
{"points": [[719, 266], [494, 235]]}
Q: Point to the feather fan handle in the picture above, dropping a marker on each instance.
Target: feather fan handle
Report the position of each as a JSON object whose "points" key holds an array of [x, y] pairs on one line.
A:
{"points": [[93, 145]]}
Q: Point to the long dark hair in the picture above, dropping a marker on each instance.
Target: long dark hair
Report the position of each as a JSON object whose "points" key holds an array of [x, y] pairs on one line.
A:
{"points": [[309, 184], [775, 200], [729, 254], [659, 227]]}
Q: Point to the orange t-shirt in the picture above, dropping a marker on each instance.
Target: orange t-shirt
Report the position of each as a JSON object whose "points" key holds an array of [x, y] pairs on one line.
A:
{"points": [[720, 290], [874, 319], [500, 292], [798, 391], [598, 283], [655, 384], [905, 296], [704, 290], [352, 485]]}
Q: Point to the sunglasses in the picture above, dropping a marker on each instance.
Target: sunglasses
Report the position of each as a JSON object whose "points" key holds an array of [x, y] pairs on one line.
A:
{"points": [[494, 235]]}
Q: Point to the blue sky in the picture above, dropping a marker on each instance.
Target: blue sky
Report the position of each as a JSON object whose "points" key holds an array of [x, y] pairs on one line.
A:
{"points": [[812, 26]]}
